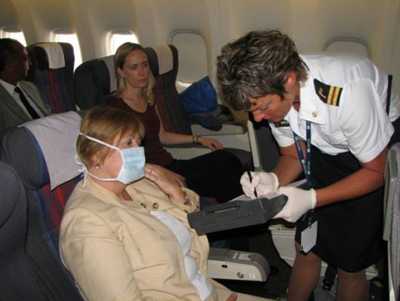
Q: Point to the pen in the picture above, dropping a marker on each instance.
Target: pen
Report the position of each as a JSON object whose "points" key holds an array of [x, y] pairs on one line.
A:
{"points": [[251, 179]]}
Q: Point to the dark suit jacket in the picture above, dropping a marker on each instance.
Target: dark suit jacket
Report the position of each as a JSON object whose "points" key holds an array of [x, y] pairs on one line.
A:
{"points": [[11, 113]]}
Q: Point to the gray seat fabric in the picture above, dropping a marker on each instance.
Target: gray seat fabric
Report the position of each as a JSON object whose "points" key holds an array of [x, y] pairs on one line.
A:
{"points": [[17, 278], [267, 149], [55, 84], [19, 149], [164, 65], [93, 81], [392, 219]]}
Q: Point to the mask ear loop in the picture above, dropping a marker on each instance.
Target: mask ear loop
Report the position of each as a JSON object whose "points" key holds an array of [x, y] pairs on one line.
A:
{"points": [[83, 168], [99, 141], [87, 172]]}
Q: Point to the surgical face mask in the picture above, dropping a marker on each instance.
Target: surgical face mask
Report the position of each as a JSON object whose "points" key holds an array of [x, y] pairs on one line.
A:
{"points": [[133, 161]]}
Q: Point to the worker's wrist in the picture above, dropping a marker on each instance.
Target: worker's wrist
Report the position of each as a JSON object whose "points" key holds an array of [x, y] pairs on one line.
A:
{"points": [[313, 198]]}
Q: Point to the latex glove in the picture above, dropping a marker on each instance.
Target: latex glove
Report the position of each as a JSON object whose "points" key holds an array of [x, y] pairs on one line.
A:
{"points": [[262, 182], [299, 202]]}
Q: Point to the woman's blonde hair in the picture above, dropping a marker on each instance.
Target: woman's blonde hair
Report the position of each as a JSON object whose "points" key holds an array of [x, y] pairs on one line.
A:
{"points": [[119, 60], [107, 124]]}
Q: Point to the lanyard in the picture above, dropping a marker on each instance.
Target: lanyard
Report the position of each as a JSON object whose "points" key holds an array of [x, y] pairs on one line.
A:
{"points": [[305, 163], [305, 160]]}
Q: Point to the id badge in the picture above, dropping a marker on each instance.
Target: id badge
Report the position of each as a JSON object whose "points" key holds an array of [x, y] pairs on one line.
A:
{"points": [[309, 237]]}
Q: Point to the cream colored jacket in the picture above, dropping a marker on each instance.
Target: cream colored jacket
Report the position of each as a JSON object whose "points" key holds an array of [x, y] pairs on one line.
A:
{"points": [[116, 250]]}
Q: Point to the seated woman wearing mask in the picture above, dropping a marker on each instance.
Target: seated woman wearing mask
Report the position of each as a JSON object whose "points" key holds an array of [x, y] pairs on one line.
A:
{"points": [[124, 233], [215, 174]]}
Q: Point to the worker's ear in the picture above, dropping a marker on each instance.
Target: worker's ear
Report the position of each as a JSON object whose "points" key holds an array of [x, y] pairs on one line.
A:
{"points": [[291, 80]]}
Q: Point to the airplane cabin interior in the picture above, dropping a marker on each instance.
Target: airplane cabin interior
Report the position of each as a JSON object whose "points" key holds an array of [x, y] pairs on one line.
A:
{"points": [[71, 46]]}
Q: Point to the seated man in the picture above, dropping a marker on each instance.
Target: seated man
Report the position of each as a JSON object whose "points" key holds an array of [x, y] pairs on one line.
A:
{"points": [[20, 100]]}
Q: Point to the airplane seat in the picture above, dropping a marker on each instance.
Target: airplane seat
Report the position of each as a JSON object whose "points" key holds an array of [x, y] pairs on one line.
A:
{"points": [[93, 80], [164, 63], [392, 220], [263, 147], [48, 144], [347, 45], [17, 277], [52, 72], [46, 194]]}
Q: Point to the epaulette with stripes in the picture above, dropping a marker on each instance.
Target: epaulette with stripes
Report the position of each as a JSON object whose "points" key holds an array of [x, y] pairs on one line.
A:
{"points": [[328, 94]]}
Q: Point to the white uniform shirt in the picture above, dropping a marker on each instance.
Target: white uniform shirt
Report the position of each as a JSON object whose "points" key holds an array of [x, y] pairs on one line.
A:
{"points": [[358, 123]]}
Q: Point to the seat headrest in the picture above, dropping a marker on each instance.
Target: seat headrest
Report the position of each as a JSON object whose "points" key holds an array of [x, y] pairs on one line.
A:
{"points": [[56, 135], [20, 149], [50, 55], [347, 45], [109, 61], [162, 59], [93, 80]]}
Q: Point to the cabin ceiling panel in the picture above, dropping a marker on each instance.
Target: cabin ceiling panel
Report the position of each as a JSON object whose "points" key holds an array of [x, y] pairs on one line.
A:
{"points": [[246, 15], [178, 14], [8, 15], [311, 23], [172, 15], [113, 14], [53, 14], [341, 17]]}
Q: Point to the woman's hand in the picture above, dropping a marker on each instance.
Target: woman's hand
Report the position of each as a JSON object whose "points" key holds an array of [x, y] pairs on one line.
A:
{"points": [[167, 184], [232, 297], [211, 143], [180, 180]]}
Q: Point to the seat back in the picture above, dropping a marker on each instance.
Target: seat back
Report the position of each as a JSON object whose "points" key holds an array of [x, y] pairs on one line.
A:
{"points": [[45, 205], [264, 149], [164, 65], [52, 72], [347, 45], [392, 220], [17, 279], [93, 80]]}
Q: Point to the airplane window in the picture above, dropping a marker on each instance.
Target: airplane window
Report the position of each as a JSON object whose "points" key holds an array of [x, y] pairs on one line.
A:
{"points": [[16, 35], [191, 67], [117, 39], [72, 39]]}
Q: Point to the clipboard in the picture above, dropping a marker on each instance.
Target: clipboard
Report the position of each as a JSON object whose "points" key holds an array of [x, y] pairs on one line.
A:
{"points": [[238, 213]]}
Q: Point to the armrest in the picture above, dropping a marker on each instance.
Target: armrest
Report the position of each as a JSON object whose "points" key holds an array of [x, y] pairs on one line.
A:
{"points": [[237, 265], [232, 136], [227, 129]]}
